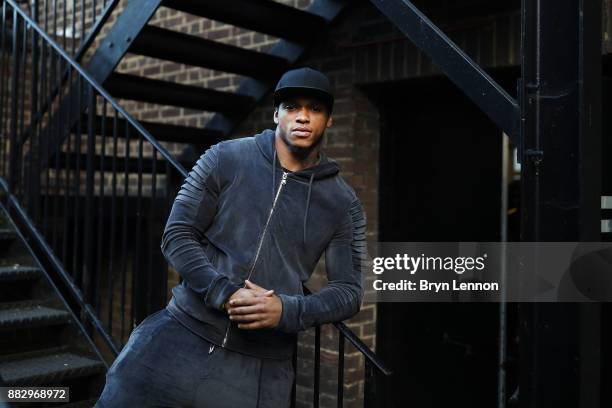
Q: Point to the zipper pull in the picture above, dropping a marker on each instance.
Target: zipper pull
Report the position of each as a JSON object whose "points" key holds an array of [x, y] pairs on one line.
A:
{"points": [[210, 350], [284, 180]]}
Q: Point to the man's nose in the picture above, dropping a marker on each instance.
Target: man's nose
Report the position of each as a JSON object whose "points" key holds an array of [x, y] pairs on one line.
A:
{"points": [[302, 115]]}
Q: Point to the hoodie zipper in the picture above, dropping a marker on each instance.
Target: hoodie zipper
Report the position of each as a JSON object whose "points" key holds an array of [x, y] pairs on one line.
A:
{"points": [[263, 234]]}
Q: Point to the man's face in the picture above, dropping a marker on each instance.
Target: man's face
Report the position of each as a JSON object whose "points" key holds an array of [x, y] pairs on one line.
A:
{"points": [[302, 122]]}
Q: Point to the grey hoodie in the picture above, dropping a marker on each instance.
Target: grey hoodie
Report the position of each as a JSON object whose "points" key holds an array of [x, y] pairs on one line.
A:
{"points": [[239, 215]]}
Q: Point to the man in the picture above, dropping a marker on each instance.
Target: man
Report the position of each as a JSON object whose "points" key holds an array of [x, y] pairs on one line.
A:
{"points": [[246, 230]]}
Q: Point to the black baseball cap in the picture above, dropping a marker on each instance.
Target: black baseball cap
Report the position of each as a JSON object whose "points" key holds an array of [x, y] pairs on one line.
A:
{"points": [[304, 82]]}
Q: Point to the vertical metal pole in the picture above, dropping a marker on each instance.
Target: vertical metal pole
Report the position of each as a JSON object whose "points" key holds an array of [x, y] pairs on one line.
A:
{"points": [[295, 362], [3, 92], [590, 125], [137, 278], [34, 182], [317, 367], [23, 169], [113, 213], [88, 270], [560, 189], [14, 156], [369, 389], [503, 307], [340, 370]]}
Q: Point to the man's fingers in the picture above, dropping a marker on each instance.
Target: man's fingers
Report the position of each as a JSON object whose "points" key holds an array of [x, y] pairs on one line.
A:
{"points": [[268, 293], [253, 317], [246, 301], [242, 310], [252, 285]]}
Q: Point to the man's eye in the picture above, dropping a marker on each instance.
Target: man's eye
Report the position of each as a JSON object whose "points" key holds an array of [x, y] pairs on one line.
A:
{"points": [[289, 107], [316, 108]]}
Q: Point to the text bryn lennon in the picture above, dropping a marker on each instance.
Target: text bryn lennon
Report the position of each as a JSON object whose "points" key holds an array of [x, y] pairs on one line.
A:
{"points": [[427, 286]]}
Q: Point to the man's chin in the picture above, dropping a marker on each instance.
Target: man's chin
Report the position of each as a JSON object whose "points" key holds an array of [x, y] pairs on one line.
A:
{"points": [[300, 147]]}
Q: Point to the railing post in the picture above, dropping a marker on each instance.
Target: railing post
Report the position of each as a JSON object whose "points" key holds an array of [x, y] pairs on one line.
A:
{"points": [[88, 269], [14, 155], [317, 367], [34, 181], [340, 369], [560, 364], [369, 386]]}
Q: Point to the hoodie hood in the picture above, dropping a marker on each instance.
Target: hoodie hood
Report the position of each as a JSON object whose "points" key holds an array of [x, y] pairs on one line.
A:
{"points": [[326, 167]]}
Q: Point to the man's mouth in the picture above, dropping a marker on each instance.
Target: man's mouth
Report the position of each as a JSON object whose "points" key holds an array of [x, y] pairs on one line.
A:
{"points": [[301, 132]]}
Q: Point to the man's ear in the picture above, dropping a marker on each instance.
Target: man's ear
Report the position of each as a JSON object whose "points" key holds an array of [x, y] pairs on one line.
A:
{"points": [[330, 121], [276, 115]]}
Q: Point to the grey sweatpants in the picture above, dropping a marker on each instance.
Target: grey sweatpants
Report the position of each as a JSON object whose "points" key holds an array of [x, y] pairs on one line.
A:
{"points": [[163, 364]]}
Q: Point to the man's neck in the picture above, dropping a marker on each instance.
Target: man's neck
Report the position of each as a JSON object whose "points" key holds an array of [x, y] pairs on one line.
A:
{"points": [[292, 162]]}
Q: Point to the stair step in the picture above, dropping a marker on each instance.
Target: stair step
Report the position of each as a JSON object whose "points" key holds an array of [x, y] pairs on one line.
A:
{"points": [[47, 366], [18, 272], [186, 49], [264, 16], [133, 87], [7, 235], [161, 131], [70, 159], [20, 315]]}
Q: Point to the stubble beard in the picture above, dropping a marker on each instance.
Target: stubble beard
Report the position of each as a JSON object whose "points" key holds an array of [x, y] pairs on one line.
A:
{"points": [[300, 152]]}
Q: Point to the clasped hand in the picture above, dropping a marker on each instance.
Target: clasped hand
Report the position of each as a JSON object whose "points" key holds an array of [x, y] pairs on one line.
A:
{"points": [[254, 307]]}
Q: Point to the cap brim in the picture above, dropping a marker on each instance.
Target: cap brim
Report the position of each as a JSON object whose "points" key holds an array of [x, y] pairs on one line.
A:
{"points": [[294, 91]]}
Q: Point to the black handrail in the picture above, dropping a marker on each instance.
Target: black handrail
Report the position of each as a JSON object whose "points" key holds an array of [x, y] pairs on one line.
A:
{"points": [[357, 343], [371, 361]]}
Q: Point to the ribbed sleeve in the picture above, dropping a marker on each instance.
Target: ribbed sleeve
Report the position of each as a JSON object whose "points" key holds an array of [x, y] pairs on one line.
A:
{"points": [[192, 212], [341, 297]]}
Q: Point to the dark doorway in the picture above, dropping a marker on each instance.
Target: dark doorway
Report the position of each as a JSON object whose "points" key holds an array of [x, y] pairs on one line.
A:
{"points": [[440, 180]]}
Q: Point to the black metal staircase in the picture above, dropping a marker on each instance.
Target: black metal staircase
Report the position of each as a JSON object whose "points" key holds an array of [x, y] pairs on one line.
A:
{"points": [[90, 187], [41, 343]]}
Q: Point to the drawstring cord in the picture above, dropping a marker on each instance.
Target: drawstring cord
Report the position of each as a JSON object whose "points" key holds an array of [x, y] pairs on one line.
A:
{"points": [[273, 174], [307, 199], [307, 206]]}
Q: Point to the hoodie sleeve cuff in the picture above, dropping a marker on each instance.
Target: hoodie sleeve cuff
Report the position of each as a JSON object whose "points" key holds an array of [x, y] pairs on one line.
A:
{"points": [[289, 316], [219, 292]]}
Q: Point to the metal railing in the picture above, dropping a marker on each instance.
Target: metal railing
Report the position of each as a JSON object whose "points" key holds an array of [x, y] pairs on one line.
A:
{"points": [[93, 184], [74, 24], [374, 368], [97, 196]]}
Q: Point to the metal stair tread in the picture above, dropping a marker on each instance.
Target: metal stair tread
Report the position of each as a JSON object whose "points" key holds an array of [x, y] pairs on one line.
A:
{"points": [[106, 163], [29, 314], [161, 131], [47, 365], [7, 234], [270, 17], [137, 88], [18, 272], [169, 45]]}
